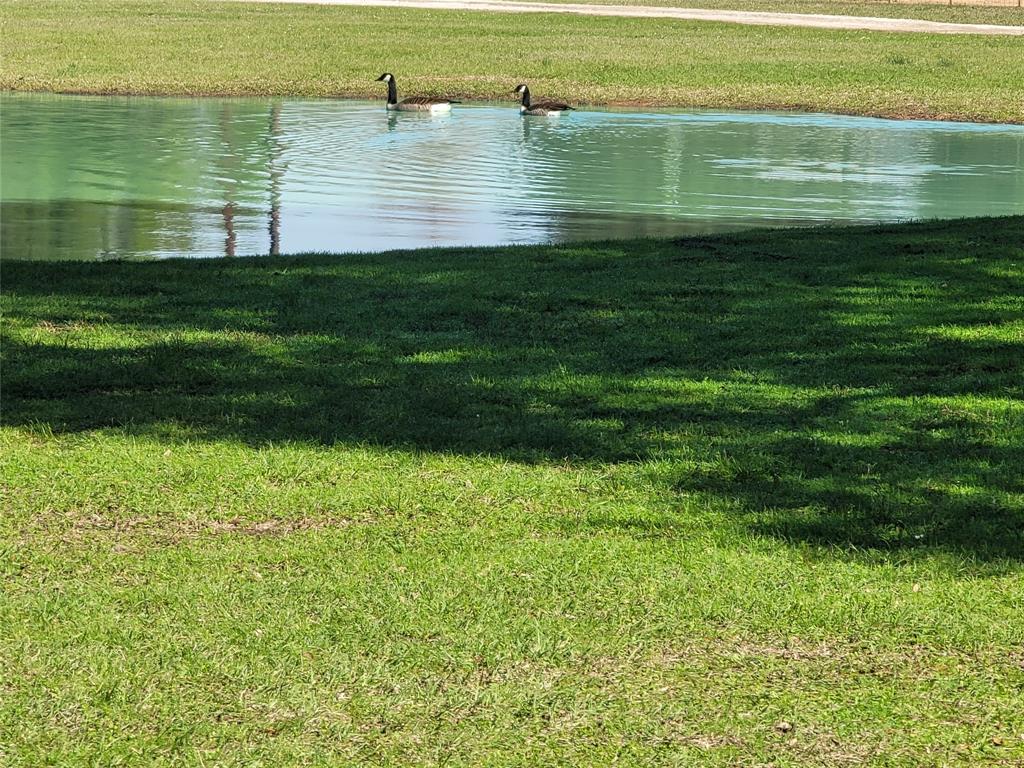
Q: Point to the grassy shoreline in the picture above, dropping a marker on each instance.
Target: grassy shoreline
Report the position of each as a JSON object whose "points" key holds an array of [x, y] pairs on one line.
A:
{"points": [[637, 501], [190, 48]]}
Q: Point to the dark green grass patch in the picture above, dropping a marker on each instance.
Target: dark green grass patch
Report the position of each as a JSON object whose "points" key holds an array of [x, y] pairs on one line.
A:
{"points": [[640, 502]]}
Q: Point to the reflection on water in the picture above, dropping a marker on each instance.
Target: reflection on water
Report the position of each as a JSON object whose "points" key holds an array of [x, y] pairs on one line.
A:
{"points": [[88, 177]]}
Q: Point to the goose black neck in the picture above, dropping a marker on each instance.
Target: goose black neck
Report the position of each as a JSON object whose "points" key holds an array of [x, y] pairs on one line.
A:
{"points": [[526, 97], [392, 91]]}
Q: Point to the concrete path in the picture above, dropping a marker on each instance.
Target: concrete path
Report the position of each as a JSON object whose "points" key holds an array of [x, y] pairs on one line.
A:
{"points": [[699, 14]]}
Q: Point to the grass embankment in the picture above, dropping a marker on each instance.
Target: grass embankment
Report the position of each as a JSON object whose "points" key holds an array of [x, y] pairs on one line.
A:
{"points": [[988, 12], [179, 47], [641, 501]]}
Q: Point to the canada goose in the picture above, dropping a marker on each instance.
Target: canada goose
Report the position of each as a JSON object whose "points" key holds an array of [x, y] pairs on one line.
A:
{"points": [[539, 107], [413, 103]]}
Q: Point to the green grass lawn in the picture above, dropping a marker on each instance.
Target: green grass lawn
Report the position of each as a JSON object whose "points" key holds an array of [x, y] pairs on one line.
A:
{"points": [[1006, 12], [189, 47], [632, 502]]}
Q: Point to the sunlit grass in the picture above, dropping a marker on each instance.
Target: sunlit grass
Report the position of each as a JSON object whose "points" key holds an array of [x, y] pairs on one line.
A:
{"points": [[191, 47], [640, 502], [1003, 12]]}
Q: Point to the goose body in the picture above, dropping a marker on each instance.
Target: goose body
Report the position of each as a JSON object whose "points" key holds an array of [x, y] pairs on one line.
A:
{"points": [[538, 108], [413, 103]]}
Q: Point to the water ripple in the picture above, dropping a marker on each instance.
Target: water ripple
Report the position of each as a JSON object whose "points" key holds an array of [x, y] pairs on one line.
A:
{"points": [[101, 177]]}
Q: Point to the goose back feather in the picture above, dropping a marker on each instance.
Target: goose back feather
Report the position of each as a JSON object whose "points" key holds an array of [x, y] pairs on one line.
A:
{"points": [[543, 108], [412, 103]]}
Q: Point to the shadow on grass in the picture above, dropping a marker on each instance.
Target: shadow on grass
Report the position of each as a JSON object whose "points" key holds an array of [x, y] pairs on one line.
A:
{"points": [[852, 387]]}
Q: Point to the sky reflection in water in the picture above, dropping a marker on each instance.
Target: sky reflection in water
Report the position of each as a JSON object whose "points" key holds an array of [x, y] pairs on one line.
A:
{"points": [[97, 177]]}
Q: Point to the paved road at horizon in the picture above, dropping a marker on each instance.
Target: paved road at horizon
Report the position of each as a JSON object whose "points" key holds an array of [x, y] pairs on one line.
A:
{"points": [[821, 21]]}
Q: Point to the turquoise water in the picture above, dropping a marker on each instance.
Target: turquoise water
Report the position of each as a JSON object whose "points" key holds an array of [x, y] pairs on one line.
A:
{"points": [[98, 177]]}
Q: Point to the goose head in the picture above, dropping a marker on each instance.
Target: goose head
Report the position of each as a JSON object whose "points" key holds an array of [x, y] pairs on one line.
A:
{"points": [[387, 77], [519, 89]]}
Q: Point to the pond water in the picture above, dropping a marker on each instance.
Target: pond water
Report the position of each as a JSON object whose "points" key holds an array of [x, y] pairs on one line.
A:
{"points": [[97, 177]]}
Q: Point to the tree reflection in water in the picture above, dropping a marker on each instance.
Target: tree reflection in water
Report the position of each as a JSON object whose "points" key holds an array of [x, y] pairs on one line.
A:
{"points": [[111, 177]]}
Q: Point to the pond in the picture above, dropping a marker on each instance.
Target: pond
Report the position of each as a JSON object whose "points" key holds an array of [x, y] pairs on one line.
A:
{"points": [[116, 177]]}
